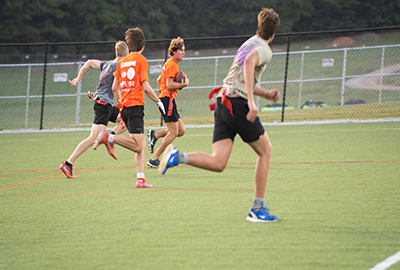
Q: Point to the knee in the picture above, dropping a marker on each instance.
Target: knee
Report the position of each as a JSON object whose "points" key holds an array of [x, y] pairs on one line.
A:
{"points": [[220, 167], [181, 132], [268, 150], [91, 138], [173, 133], [139, 148]]}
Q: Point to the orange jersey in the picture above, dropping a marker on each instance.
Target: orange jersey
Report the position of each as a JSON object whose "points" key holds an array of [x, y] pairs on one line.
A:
{"points": [[169, 70], [131, 72]]}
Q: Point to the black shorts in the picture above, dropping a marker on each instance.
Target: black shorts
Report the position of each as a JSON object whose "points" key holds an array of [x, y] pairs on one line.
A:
{"points": [[133, 118], [227, 126], [104, 113], [174, 117]]}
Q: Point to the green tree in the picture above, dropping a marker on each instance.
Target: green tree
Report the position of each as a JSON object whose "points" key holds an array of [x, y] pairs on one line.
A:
{"points": [[27, 21]]}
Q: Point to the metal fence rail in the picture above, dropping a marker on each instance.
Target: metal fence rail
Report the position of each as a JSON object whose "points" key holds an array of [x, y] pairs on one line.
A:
{"points": [[30, 92]]}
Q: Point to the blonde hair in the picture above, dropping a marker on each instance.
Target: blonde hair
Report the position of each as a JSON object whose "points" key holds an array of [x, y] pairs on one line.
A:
{"points": [[268, 23], [176, 44], [121, 49]]}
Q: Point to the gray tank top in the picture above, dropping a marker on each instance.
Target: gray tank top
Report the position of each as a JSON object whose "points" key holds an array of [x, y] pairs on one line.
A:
{"points": [[104, 88]]}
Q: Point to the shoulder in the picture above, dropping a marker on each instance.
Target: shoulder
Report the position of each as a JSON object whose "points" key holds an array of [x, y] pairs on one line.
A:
{"points": [[112, 63], [263, 50], [171, 64]]}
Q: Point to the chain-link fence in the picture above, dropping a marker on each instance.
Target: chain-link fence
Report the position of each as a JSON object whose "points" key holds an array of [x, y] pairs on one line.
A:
{"points": [[350, 74]]}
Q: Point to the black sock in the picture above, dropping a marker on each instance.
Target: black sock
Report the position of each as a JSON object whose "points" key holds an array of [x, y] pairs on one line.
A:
{"points": [[69, 164]]}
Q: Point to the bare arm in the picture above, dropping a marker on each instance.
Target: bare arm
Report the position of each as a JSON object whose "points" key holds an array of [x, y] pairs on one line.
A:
{"points": [[172, 85], [158, 82], [92, 63], [271, 94], [249, 65], [115, 89], [148, 90]]}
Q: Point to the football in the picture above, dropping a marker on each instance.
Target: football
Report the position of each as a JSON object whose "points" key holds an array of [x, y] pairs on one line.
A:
{"points": [[180, 77]]}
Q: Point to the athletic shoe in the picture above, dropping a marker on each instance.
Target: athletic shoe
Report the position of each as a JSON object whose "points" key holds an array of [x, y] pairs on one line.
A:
{"points": [[103, 139], [169, 160], [142, 184], [152, 140], [154, 163], [67, 170], [261, 216]]}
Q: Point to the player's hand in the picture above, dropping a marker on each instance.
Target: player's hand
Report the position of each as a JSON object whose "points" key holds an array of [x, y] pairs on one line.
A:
{"points": [[186, 81], [161, 107], [252, 114], [273, 95], [74, 82]]}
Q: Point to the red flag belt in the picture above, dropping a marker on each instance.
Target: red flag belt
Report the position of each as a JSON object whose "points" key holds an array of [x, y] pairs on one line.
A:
{"points": [[224, 99]]}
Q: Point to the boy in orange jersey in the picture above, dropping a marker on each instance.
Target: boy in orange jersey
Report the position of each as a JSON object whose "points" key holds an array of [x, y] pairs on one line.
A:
{"points": [[132, 77], [168, 89]]}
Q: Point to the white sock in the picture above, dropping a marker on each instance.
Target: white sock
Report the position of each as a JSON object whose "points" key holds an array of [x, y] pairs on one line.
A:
{"points": [[140, 175], [111, 138], [183, 158]]}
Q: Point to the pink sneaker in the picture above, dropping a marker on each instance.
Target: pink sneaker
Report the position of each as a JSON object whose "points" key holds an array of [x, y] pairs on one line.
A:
{"points": [[103, 139], [142, 184], [67, 170]]}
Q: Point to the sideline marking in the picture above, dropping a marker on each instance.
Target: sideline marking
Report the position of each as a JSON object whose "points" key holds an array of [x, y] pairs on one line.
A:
{"points": [[187, 190], [37, 180], [76, 170], [231, 164], [387, 263], [184, 165]]}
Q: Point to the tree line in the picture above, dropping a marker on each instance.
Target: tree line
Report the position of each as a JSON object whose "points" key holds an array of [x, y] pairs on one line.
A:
{"points": [[26, 21]]}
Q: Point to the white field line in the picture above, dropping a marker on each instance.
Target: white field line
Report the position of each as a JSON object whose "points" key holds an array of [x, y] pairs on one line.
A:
{"points": [[387, 263], [339, 121]]}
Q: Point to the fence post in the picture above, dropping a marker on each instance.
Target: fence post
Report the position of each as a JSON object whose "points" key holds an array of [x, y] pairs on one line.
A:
{"points": [[44, 85], [78, 98], [380, 81], [343, 77], [166, 58], [301, 79], [284, 83], [215, 72], [27, 96]]}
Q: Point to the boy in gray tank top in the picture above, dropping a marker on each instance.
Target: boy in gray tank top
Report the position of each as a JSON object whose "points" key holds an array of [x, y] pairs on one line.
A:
{"points": [[104, 110]]}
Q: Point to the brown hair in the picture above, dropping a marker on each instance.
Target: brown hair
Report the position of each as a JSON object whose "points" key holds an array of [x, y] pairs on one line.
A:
{"points": [[121, 49], [176, 44], [268, 23], [135, 39]]}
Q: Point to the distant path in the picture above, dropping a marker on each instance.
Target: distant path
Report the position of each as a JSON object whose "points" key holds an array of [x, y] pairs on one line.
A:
{"points": [[374, 81]]}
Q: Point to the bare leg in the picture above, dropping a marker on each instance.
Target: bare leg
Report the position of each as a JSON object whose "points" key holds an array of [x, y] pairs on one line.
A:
{"points": [[263, 148], [161, 133], [215, 162], [140, 156], [85, 144], [118, 129], [134, 142], [174, 129]]}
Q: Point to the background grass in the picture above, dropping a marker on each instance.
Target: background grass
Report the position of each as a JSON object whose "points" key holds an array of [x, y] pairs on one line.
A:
{"points": [[335, 187]]}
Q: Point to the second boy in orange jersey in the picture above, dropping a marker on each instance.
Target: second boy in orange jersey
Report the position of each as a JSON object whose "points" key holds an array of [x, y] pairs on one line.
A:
{"points": [[168, 89], [131, 77]]}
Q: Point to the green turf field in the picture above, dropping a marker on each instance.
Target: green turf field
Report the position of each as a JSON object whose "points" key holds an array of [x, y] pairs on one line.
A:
{"points": [[336, 188]]}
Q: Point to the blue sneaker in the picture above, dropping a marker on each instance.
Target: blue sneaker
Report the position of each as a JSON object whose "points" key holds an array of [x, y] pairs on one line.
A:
{"points": [[169, 160], [261, 216]]}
